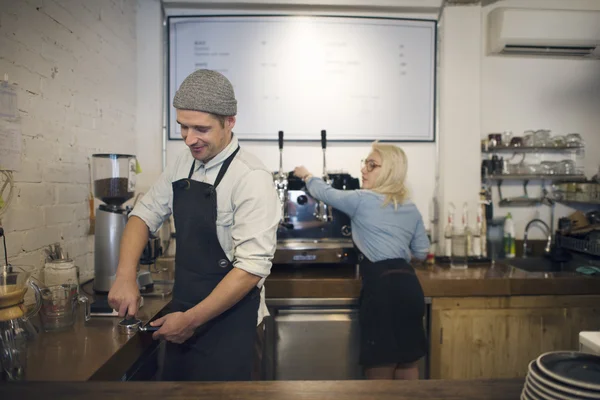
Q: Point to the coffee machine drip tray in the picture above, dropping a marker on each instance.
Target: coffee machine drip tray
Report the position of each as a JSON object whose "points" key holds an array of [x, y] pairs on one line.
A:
{"points": [[315, 251]]}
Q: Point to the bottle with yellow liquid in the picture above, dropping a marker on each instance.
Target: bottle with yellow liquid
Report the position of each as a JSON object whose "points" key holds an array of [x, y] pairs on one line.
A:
{"points": [[509, 237]]}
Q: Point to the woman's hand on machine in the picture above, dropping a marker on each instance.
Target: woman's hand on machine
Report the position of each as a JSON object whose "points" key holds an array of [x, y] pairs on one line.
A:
{"points": [[124, 296], [301, 172], [176, 327]]}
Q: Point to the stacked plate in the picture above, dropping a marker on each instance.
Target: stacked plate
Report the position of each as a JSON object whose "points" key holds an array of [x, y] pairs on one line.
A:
{"points": [[563, 375]]}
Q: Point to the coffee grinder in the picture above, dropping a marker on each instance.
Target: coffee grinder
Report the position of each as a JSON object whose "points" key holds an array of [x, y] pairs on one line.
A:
{"points": [[114, 177]]}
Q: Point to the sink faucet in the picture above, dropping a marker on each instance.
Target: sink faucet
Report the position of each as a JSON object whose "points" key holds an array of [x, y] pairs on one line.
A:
{"points": [[548, 233]]}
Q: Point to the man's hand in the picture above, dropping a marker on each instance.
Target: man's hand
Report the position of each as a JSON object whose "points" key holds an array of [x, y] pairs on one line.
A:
{"points": [[176, 327], [124, 296]]}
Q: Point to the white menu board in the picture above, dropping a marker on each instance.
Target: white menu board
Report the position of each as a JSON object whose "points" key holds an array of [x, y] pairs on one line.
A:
{"points": [[360, 79]]}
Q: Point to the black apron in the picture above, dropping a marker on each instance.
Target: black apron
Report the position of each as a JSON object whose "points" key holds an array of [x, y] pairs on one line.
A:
{"points": [[221, 349], [391, 311]]}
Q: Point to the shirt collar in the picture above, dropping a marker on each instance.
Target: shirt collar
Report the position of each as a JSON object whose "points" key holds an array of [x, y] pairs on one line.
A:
{"points": [[219, 158]]}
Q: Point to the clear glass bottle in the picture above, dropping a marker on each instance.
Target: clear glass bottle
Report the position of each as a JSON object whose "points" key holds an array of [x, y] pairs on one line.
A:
{"points": [[477, 235], [482, 215], [448, 232], [466, 230], [461, 243]]}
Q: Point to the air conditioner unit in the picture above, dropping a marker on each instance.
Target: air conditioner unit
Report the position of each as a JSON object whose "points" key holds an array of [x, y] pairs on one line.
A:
{"points": [[558, 33]]}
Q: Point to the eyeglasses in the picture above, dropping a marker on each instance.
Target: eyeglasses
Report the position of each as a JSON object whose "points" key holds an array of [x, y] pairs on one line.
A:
{"points": [[369, 165]]}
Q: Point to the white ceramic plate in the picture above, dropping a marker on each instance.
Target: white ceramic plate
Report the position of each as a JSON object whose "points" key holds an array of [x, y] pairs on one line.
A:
{"points": [[573, 368], [530, 396], [543, 393], [557, 388]]}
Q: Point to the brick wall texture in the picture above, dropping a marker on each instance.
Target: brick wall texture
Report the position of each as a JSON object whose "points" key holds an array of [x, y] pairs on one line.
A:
{"points": [[73, 65]]}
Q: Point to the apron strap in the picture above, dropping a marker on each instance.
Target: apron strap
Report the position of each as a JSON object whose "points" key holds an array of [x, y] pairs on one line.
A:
{"points": [[192, 170], [222, 171], [224, 167]]}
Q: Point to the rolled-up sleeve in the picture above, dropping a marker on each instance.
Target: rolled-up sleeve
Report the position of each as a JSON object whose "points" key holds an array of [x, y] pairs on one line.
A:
{"points": [[156, 205], [419, 245], [256, 217]]}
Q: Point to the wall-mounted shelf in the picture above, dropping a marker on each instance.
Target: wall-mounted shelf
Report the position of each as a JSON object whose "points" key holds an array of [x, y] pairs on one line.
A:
{"points": [[540, 177], [492, 168], [521, 201], [583, 202], [523, 149]]}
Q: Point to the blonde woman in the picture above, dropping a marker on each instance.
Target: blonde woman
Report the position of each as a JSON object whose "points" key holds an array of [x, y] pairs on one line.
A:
{"points": [[388, 230]]}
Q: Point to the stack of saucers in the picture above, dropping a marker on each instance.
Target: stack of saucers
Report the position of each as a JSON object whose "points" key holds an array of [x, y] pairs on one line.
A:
{"points": [[563, 375]]}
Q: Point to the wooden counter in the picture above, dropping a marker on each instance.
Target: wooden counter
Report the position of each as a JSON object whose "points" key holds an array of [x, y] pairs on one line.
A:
{"points": [[93, 350], [437, 281], [485, 337], [485, 321], [97, 351], [273, 390]]}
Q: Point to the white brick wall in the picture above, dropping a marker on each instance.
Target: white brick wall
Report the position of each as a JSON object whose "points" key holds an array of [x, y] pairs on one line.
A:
{"points": [[73, 64]]}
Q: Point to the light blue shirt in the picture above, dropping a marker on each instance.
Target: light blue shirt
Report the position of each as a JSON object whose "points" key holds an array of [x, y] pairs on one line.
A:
{"points": [[380, 232]]}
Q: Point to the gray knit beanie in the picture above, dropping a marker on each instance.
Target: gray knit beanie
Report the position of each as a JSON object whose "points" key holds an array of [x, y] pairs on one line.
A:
{"points": [[207, 91]]}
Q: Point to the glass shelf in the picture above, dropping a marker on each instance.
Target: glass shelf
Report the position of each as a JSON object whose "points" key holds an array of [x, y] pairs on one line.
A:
{"points": [[537, 149], [541, 177], [583, 202]]}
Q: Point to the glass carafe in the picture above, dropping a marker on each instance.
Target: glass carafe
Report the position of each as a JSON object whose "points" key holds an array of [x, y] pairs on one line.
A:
{"points": [[16, 328]]}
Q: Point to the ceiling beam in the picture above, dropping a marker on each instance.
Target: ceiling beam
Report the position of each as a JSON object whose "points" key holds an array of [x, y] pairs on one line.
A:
{"points": [[338, 3], [302, 7]]}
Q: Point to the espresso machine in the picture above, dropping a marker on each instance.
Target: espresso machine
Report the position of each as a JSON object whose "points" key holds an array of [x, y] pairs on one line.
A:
{"points": [[310, 231]]}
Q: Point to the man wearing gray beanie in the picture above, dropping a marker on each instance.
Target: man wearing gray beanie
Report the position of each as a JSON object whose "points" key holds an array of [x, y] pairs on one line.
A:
{"points": [[226, 214]]}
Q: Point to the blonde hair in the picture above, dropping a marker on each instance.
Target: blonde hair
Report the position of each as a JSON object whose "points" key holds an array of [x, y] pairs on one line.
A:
{"points": [[392, 177]]}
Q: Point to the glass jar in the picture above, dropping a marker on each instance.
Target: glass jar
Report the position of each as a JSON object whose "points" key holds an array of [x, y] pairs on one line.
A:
{"points": [[61, 272]]}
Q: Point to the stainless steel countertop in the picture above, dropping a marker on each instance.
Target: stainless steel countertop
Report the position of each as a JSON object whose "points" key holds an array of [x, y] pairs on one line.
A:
{"points": [[313, 244]]}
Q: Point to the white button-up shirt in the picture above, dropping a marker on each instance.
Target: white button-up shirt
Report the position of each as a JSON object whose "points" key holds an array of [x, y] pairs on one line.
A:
{"points": [[248, 209]]}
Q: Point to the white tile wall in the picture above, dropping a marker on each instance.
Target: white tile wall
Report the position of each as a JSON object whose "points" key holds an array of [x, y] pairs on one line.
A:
{"points": [[73, 63]]}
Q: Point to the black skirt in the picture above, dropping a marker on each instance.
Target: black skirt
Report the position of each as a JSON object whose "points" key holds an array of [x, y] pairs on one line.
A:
{"points": [[392, 308]]}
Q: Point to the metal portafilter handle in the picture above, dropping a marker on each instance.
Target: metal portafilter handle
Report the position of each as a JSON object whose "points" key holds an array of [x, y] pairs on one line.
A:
{"points": [[132, 325], [149, 328]]}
